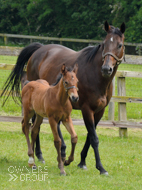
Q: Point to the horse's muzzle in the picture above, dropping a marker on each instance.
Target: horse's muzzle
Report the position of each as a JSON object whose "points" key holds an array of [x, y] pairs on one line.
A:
{"points": [[106, 71]]}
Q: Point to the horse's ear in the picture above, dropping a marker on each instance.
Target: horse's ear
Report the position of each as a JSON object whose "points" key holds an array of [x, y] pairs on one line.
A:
{"points": [[107, 27], [63, 69], [122, 28], [75, 69]]}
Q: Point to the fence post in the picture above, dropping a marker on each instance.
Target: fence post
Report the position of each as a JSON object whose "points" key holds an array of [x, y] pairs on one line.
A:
{"points": [[61, 42], [5, 39], [122, 115], [111, 108]]}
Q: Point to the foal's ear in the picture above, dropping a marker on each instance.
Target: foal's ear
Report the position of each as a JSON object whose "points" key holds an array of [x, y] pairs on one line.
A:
{"points": [[75, 69], [107, 26], [122, 28], [63, 69]]}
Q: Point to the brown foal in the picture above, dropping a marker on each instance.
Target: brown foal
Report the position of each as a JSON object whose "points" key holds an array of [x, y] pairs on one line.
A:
{"points": [[39, 98]]}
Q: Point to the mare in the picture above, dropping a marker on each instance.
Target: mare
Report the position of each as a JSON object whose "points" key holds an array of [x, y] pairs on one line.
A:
{"points": [[97, 66], [39, 98]]}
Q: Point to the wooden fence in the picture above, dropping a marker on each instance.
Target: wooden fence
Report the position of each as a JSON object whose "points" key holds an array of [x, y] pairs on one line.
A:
{"points": [[6, 36]]}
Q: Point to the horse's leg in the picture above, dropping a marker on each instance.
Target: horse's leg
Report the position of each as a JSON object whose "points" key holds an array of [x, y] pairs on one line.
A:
{"points": [[57, 144], [38, 149], [63, 145], [85, 149], [93, 138], [35, 130], [83, 154], [69, 126]]}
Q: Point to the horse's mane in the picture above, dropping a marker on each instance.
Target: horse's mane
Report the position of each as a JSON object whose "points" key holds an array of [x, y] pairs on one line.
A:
{"points": [[69, 69], [89, 52]]}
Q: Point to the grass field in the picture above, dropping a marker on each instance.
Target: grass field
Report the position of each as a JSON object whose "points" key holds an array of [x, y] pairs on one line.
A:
{"points": [[120, 157], [133, 88]]}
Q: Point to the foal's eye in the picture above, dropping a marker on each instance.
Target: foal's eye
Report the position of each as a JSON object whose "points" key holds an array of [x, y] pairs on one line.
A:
{"points": [[119, 46], [66, 83]]}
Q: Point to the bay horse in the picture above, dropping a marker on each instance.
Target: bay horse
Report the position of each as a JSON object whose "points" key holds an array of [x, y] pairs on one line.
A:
{"points": [[39, 98], [97, 66]]}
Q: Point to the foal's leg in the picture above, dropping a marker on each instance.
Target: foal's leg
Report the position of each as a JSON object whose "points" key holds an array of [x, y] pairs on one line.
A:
{"points": [[63, 145], [35, 129], [69, 126], [38, 151], [57, 144], [25, 128]]}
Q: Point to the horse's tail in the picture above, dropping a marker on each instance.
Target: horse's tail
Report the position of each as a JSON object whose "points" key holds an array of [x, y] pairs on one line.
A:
{"points": [[12, 84]]}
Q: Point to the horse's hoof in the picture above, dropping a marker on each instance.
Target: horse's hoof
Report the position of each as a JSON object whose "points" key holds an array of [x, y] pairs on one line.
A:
{"points": [[41, 160], [104, 173], [63, 173], [84, 167], [66, 163]]}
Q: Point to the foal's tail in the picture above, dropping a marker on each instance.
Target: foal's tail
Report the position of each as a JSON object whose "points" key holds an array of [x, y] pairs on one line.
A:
{"points": [[12, 84]]}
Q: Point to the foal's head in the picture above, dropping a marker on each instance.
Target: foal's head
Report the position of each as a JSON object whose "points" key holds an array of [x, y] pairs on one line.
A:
{"points": [[70, 82], [113, 52]]}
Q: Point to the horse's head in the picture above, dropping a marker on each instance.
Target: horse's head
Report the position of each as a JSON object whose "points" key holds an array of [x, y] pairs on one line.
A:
{"points": [[113, 48], [70, 82]]}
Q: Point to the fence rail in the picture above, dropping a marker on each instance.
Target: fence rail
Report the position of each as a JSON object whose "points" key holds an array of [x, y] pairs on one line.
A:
{"points": [[6, 36]]}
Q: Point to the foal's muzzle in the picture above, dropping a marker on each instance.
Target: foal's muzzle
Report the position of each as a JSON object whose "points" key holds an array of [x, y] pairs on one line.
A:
{"points": [[74, 98], [106, 71]]}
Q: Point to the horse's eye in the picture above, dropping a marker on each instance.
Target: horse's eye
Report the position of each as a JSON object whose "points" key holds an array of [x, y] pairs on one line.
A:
{"points": [[72, 78], [119, 46]]}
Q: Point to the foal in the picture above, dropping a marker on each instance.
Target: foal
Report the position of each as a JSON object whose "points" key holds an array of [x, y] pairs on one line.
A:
{"points": [[39, 98]]}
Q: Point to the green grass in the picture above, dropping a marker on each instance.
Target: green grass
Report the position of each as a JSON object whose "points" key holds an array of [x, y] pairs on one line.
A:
{"points": [[133, 88], [120, 157], [8, 59]]}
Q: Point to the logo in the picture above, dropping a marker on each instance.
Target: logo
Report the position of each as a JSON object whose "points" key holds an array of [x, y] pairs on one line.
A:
{"points": [[25, 174]]}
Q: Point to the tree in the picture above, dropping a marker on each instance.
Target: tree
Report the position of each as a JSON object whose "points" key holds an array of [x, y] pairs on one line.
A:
{"points": [[71, 18]]}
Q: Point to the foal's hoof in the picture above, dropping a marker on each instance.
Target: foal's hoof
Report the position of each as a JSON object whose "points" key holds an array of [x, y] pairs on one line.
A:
{"points": [[34, 167], [30, 165], [31, 162], [82, 166], [63, 173], [104, 173]]}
